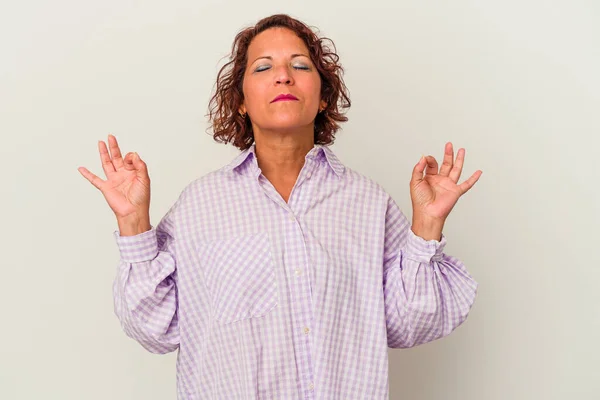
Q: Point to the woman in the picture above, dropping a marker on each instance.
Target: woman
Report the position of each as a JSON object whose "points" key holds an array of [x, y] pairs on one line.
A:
{"points": [[284, 274]]}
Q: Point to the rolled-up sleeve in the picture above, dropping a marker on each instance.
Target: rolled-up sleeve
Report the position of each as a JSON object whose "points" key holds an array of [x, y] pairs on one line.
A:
{"points": [[145, 286], [427, 293]]}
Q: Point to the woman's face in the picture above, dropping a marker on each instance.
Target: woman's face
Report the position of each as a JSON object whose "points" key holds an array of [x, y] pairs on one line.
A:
{"points": [[279, 63]]}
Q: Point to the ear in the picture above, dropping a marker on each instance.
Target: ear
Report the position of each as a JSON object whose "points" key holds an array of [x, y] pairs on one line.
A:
{"points": [[322, 105], [242, 109]]}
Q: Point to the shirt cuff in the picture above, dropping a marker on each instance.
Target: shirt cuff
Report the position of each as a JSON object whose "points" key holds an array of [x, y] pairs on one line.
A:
{"points": [[137, 248], [424, 251]]}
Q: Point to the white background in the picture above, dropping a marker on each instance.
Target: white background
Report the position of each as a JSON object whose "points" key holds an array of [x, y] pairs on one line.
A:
{"points": [[516, 83]]}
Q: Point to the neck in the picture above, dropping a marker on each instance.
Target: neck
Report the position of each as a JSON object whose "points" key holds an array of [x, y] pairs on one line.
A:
{"points": [[281, 156]]}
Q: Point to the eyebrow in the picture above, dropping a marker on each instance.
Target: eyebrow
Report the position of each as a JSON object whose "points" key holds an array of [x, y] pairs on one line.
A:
{"points": [[271, 58]]}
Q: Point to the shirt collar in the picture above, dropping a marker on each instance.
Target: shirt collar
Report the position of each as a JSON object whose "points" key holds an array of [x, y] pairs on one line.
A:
{"points": [[246, 160]]}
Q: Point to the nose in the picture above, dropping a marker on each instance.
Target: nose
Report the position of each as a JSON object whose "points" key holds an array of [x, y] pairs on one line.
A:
{"points": [[283, 76]]}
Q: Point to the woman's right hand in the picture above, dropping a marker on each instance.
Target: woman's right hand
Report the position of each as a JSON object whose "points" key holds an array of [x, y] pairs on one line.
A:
{"points": [[127, 187]]}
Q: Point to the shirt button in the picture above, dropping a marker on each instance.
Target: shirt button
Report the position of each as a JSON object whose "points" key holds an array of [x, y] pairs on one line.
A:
{"points": [[292, 218], [311, 386], [306, 330], [298, 271]]}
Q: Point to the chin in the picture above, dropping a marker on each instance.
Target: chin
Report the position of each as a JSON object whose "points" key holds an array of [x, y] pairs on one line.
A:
{"points": [[285, 122]]}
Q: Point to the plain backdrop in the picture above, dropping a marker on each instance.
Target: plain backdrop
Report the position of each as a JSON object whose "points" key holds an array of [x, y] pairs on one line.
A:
{"points": [[514, 82]]}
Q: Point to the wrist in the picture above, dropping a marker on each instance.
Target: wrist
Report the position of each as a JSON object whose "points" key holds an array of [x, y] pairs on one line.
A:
{"points": [[427, 228], [131, 226]]}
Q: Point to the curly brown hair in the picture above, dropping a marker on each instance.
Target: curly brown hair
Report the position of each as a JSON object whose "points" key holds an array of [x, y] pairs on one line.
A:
{"points": [[229, 126]]}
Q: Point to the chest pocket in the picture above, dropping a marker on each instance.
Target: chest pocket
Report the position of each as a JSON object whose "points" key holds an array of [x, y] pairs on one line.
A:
{"points": [[240, 276]]}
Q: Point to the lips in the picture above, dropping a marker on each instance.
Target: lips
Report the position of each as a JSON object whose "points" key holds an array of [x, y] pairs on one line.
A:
{"points": [[284, 96]]}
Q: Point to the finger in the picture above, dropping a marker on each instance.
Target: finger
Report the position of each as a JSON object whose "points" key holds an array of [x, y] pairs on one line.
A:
{"points": [[115, 152], [448, 160], [128, 162], [432, 165], [133, 162], [93, 179], [417, 174], [458, 166], [468, 184], [107, 164]]}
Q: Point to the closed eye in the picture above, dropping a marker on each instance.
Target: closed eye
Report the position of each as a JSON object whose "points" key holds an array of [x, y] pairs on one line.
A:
{"points": [[266, 67]]}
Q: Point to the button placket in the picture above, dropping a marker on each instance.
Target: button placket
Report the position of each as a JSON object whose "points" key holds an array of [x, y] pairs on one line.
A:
{"points": [[298, 260]]}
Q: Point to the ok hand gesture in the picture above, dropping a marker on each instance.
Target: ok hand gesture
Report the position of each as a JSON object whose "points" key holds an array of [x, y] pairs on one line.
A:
{"points": [[434, 195], [127, 187]]}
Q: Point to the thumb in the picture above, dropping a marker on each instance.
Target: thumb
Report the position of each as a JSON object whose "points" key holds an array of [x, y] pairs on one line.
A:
{"points": [[417, 174], [138, 163]]}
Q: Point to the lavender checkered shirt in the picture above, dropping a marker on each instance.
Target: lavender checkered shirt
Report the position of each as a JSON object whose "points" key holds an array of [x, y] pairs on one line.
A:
{"points": [[272, 300]]}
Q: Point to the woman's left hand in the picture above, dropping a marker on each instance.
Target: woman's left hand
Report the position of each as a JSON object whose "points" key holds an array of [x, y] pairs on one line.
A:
{"points": [[434, 195]]}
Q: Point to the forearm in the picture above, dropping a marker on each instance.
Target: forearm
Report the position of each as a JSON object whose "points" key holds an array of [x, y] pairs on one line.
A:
{"points": [[146, 305], [145, 293], [428, 293]]}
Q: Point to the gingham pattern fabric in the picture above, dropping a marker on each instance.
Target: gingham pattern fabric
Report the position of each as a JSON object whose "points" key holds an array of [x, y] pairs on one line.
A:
{"points": [[265, 299]]}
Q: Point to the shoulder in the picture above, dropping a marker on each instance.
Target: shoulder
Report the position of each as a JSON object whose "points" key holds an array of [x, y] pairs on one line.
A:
{"points": [[367, 185]]}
